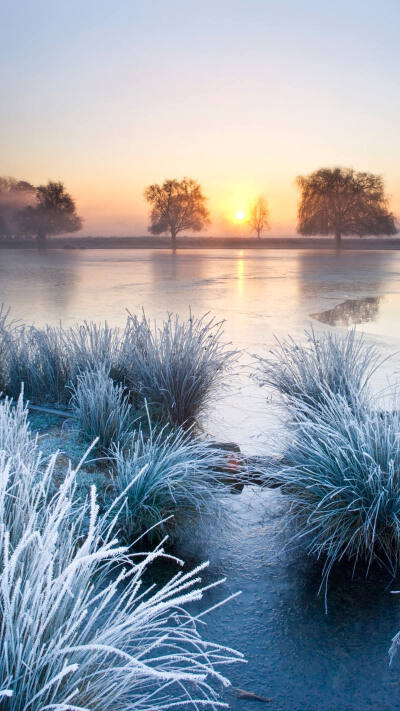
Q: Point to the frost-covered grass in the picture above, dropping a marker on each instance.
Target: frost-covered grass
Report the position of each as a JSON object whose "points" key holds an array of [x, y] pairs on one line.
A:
{"points": [[7, 329], [77, 630], [101, 408], [49, 360], [90, 345], [169, 473], [328, 362], [36, 358], [342, 478], [175, 367], [15, 436]]}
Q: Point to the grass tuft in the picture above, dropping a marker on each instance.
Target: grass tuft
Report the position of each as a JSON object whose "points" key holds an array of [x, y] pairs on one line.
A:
{"points": [[165, 474], [175, 367], [36, 357], [77, 629], [342, 479], [101, 409], [328, 363]]}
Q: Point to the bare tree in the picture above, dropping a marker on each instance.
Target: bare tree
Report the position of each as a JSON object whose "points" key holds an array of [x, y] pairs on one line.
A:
{"points": [[53, 213], [176, 205], [339, 201], [259, 216]]}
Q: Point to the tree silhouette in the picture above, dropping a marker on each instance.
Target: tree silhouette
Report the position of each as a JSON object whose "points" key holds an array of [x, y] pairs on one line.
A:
{"points": [[259, 216], [15, 195], [176, 205], [339, 201], [53, 213]]}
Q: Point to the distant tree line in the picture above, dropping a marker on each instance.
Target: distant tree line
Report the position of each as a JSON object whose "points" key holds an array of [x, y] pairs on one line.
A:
{"points": [[28, 211], [333, 201]]}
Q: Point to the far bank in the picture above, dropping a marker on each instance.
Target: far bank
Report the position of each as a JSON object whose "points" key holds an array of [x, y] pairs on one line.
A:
{"points": [[208, 243]]}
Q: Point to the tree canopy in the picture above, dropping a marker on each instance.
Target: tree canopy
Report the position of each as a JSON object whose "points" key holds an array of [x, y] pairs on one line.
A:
{"points": [[54, 212], [340, 201], [259, 216], [176, 205], [15, 195]]}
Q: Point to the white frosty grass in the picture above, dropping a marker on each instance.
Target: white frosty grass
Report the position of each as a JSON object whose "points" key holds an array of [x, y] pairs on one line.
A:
{"points": [[164, 474], [15, 437], [174, 366], [342, 478], [89, 344], [7, 329], [78, 631], [37, 358], [328, 362], [101, 409]]}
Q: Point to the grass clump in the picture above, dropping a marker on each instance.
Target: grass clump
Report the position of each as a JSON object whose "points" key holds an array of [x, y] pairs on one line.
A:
{"points": [[342, 479], [173, 367], [89, 345], [77, 629], [7, 329], [165, 474], [37, 358], [176, 366], [327, 363], [15, 435], [101, 408]]}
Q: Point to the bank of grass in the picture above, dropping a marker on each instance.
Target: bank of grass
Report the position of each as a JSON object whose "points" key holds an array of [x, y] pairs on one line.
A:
{"points": [[328, 362], [77, 629], [340, 470], [164, 474], [173, 366], [177, 365], [342, 479], [101, 409]]}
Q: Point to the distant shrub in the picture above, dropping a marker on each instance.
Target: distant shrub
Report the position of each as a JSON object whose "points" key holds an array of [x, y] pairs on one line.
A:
{"points": [[101, 409], [175, 367], [340, 364], [77, 629], [166, 474], [341, 476]]}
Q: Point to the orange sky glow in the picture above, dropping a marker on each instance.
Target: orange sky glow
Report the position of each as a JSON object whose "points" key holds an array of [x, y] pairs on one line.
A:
{"points": [[242, 97]]}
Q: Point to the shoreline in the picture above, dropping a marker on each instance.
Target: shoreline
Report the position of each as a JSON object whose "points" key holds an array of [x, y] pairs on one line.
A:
{"points": [[72, 243]]}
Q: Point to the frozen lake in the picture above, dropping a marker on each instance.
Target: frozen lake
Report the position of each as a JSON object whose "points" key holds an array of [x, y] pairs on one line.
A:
{"points": [[301, 658], [258, 293]]}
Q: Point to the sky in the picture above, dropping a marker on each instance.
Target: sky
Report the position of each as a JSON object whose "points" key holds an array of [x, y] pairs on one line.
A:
{"points": [[240, 95]]}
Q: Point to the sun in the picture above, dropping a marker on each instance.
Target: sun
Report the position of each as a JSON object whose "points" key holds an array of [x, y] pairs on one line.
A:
{"points": [[240, 215]]}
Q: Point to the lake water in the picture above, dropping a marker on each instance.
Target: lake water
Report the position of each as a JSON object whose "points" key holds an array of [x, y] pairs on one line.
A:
{"points": [[259, 294], [302, 658]]}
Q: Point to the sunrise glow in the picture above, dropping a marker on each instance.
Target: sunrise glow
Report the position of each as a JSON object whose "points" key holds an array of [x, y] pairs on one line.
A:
{"points": [[110, 123]]}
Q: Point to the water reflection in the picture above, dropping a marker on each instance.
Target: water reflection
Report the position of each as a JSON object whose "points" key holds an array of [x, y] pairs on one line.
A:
{"points": [[39, 283], [351, 312], [259, 293]]}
